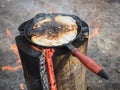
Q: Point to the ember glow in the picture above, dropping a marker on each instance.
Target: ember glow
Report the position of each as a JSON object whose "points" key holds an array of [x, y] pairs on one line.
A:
{"points": [[48, 56], [9, 34], [10, 68], [22, 86], [95, 31], [14, 49], [36, 48]]}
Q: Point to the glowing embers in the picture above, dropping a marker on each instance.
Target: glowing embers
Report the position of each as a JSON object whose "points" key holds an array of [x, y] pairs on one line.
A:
{"points": [[51, 76], [22, 86], [14, 49], [95, 31], [10, 68]]}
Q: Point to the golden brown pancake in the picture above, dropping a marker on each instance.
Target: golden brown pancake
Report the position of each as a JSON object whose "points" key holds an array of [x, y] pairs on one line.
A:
{"points": [[64, 31]]}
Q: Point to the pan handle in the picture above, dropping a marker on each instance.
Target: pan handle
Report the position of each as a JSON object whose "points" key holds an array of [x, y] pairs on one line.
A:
{"points": [[87, 61]]}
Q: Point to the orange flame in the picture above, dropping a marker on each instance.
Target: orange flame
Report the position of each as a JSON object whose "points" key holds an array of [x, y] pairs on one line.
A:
{"points": [[95, 31], [9, 33], [13, 47], [48, 56], [22, 86], [10, 68], [36, 48]]}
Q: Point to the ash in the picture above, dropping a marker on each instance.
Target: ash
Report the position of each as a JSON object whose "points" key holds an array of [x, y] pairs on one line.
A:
{"points": [[43, 73]]}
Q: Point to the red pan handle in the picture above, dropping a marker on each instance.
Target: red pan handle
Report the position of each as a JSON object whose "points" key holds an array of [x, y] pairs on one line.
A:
{"points": [[88, 62]]}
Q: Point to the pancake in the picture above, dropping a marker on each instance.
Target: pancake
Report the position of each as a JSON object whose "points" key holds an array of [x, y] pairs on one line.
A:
{"points": [[57, 31]]}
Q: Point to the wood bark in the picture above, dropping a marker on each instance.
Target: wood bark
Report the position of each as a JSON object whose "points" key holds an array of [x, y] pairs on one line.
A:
{"points": [[70, 73]]}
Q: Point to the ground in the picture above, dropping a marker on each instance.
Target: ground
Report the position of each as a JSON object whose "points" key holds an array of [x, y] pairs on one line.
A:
{"points": [[103, 18]]}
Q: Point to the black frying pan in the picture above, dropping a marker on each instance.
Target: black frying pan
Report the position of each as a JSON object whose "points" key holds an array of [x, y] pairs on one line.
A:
{"points": [[88, 62], [29, 27]]}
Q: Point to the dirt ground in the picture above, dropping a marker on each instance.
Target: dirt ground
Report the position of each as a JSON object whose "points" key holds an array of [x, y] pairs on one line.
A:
{"points": [[103, 18]]}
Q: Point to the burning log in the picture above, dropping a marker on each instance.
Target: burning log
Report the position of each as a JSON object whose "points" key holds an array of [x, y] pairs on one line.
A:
{"points": [[29, 55], [69, 71]]}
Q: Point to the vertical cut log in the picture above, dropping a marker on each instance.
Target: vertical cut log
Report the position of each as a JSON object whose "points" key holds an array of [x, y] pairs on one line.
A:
{"points": [[69, 71]]}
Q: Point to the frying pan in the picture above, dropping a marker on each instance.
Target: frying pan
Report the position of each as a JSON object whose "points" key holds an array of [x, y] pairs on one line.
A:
{"points": [[29, 27], [88, 62]]}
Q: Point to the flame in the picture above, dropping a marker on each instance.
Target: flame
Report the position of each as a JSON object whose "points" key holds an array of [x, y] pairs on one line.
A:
{"points": [[36, 48], [48, 56], [10, 68], [22, 86], [49, 53], [9, 33], [95, 31], [14, 48]]}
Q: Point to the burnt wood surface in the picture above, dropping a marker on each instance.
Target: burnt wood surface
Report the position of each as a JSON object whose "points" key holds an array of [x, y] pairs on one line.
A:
{"points": [[30, 63]]}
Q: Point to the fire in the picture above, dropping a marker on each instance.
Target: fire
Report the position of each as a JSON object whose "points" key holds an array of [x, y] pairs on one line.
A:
{"points": [[9, 33], [22, 86], [48, 56], [36, 48], [95, 31], [13, 47], [10, 68]]}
